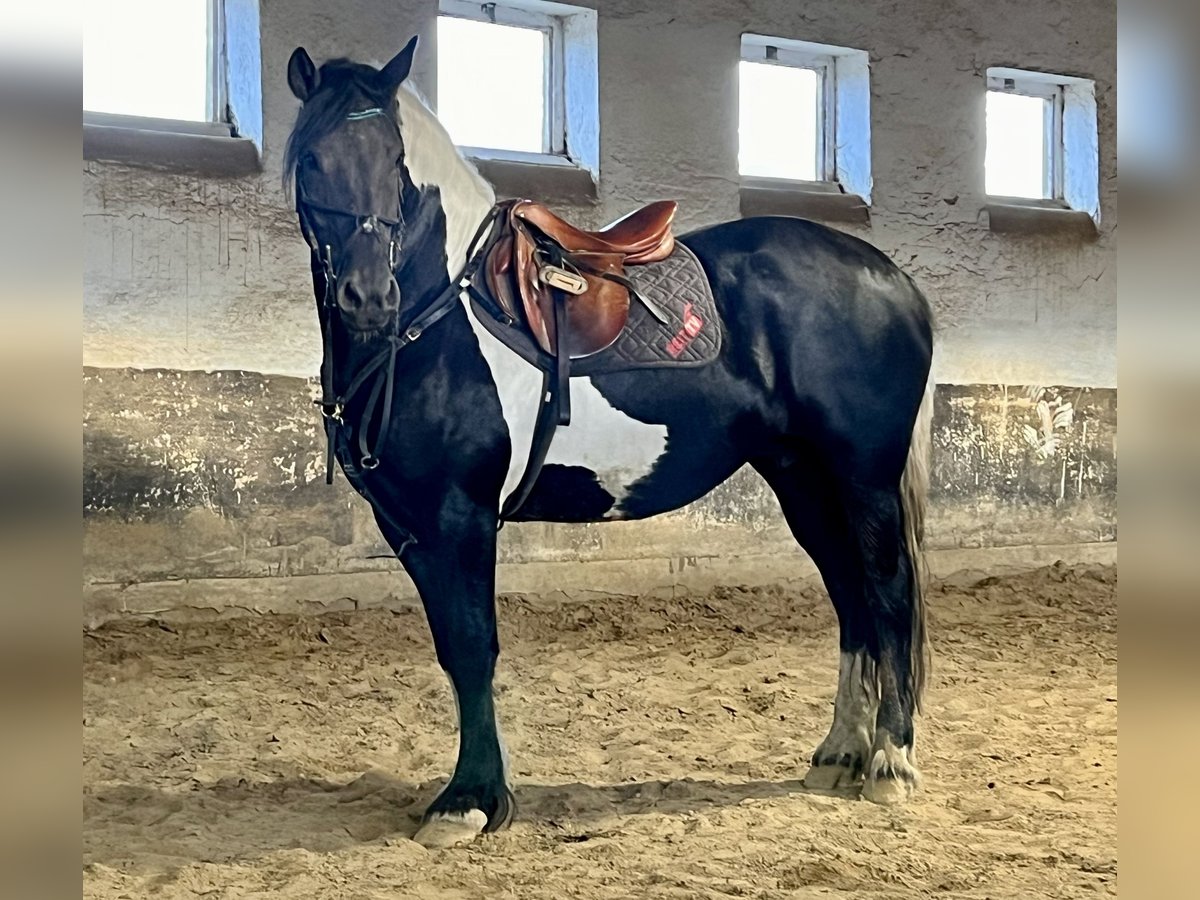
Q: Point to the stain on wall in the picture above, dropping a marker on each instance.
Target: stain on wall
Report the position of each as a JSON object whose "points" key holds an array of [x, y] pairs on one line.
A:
{"points": [[1023, 463], [192, 475]]}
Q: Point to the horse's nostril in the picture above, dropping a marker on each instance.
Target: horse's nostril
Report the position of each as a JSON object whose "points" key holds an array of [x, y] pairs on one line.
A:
{"points": [[393, 297], [351, 299], [368, 304]]}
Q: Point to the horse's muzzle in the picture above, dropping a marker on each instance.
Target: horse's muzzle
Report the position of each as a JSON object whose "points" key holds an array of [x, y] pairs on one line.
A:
{"points": [[367, 308]]}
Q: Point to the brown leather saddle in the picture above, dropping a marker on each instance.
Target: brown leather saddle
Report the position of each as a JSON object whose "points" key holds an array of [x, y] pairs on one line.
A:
{"points": [[567, 285]]}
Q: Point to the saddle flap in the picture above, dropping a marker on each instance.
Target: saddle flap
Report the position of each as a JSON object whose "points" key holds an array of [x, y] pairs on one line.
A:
{"points": [[592, 260], [645, 234], [594, 318], [499, 277]]}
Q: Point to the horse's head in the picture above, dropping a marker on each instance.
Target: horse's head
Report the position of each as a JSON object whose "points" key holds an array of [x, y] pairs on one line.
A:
{"points": [[346, 156]]}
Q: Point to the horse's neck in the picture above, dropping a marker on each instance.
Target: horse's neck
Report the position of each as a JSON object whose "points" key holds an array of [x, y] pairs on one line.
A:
{"points": [[433, 161]]}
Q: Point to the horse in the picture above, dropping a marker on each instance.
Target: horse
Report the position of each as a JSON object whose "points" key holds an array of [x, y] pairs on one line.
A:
{"points": [[822, 385]]}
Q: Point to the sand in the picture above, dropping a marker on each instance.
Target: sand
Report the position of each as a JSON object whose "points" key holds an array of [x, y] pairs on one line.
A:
{"points": [[657, 747]]}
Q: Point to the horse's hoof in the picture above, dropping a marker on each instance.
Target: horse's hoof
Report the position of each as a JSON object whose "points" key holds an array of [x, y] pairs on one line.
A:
{"points": [[841, 759], [892, 777], [832, 774], [442, 830]]}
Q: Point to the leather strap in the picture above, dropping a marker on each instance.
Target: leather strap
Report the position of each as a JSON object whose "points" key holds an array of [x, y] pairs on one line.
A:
{"points": [[383, 367], [562, 359], [555, 410], [543, 434]]}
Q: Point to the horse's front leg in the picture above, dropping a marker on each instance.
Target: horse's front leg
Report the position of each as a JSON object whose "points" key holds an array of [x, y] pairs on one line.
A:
{"points": [[455, 573]]}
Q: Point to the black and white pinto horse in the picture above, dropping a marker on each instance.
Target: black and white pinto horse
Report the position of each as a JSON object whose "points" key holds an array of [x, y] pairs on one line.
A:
{"points": [[822, 385]]}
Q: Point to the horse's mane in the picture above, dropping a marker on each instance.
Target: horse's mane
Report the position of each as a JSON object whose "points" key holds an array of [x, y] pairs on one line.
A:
{"points": [[343, 82]]}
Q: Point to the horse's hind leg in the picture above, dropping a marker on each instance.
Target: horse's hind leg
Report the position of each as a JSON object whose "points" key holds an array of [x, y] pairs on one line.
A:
{"points": [[891, 594], [809, 497], [855, 535]]}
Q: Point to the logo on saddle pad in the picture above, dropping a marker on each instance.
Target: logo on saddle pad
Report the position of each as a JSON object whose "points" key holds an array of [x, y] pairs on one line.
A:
{"points": [[692, 326]]}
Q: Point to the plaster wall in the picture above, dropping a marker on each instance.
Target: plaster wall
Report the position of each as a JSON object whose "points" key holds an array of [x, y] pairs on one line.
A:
{"points": [[186, 274], [192, 273]]}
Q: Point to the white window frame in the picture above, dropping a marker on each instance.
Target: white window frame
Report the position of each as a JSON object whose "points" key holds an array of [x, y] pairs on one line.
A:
{"points": [[1072, 163], [1052, 127], [534, 16], [216, 92], [826, 111], [230, 144], [843, 157]]}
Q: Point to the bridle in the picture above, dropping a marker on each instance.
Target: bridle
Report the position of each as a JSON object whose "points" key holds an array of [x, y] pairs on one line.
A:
{"points": [[333, 404], [368, 223], [379, 370]]}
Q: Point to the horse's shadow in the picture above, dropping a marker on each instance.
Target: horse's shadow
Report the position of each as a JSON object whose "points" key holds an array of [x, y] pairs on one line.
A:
{"points": [[238, 819]]}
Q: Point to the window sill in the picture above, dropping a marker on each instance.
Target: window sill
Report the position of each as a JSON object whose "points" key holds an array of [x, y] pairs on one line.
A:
{"points": [[194, 152], [1017, 216], [822, 200], [539, 176]]}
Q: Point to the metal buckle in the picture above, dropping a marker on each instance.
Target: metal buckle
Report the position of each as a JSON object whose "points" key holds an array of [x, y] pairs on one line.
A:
{"points": [[412, 333], [331, 411], [369, 463]]}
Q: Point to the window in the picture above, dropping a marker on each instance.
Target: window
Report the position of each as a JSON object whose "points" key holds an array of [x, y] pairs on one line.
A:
{"points": [[543, 53], [804, 113], [154, 59], [1024, 138], [781, 127], [1041, 139], [174, 84]]}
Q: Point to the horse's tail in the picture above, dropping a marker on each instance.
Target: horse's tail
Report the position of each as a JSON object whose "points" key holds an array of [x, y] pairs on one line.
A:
{"points": [[914, 491]]}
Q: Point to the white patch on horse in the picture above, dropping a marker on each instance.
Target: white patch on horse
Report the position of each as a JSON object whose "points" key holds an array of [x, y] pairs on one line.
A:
{"points": [[432, 160], [519, 386], [444, 830], [843, 755], [893, 775], [617, 447]]}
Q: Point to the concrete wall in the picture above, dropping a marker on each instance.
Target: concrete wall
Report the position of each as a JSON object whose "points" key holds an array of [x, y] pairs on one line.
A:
{"points": [[188, 473]]}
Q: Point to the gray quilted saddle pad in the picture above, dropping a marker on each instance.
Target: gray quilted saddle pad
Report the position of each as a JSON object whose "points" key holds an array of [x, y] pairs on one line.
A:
{"points": [[690, 337]]}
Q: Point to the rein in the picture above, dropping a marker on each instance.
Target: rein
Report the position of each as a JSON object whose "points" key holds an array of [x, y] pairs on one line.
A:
{"points": [[382, 366]]}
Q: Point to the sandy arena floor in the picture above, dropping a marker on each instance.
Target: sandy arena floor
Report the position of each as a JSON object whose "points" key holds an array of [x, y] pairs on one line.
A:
{"points": [[657, 746]]}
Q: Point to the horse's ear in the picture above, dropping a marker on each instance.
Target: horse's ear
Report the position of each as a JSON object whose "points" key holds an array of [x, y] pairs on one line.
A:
{"points": [[302, 74], [394, 73]]}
